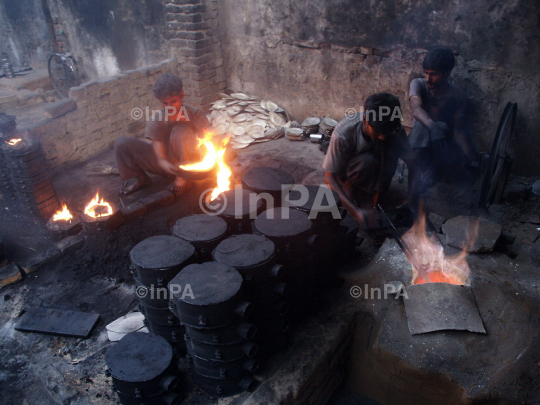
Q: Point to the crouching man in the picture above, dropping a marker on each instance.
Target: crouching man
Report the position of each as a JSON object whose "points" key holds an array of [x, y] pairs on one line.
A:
{"points": [[363, 154], [173, 133]]}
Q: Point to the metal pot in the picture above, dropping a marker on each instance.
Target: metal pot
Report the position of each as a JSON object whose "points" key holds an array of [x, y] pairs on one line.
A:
{"points": [[196, 175], [221, 352]]}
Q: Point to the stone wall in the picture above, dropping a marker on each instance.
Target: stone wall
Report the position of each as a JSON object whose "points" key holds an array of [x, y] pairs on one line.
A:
{"points": [[105, 37], [105, 111], [325, 57]]}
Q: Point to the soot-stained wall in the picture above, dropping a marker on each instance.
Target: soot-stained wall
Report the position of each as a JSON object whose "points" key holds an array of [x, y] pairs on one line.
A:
{"points": [[104, 36], [323, 57]]}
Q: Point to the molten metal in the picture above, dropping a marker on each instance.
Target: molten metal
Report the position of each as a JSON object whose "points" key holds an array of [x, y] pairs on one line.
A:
{"points": [[63, 215], [213, 158], [98, 209], [433, 265], [13, 142]]}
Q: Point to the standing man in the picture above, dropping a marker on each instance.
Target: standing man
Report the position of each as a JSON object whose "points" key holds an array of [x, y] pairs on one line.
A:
{"points": [[440, 135], [363, 154], [173, 133]]}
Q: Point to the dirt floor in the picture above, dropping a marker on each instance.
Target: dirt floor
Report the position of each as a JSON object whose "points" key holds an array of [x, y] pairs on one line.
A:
{"points": [[42, 369]]}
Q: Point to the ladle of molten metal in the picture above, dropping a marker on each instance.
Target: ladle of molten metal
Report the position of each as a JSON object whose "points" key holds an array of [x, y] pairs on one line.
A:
{"points": [[13, 142]]}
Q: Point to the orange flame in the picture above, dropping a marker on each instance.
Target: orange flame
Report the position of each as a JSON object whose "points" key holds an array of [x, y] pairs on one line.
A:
{"points": [[63, 214], [433, 265], [13, 142], [214, 157], [98, 209]]}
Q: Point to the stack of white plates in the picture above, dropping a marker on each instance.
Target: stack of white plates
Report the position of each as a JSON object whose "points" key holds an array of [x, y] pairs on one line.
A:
{"points": [[294, 134], [327, 126], [311, 125], [247, 119]]}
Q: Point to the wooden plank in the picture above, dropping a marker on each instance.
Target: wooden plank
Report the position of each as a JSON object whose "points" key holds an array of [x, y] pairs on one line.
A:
{"points": [[57, 322]]}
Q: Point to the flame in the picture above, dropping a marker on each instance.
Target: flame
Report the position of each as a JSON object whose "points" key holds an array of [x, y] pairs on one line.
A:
{"points": [[13, 142], [432, 265], [106, 208], [214, 157], [62, 215]]}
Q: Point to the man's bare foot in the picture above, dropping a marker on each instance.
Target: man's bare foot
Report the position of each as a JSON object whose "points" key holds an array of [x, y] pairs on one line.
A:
{"points": [[130, 187], [179, 186]]}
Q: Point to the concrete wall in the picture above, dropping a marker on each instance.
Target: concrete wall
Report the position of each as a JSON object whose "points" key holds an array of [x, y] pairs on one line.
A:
{"points": [[104, 36], [323, 57], [104, 113]]}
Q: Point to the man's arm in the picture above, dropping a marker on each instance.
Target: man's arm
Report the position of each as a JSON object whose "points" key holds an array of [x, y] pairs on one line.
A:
{"points": [[335, 184], [419, 113], [161, 155]]}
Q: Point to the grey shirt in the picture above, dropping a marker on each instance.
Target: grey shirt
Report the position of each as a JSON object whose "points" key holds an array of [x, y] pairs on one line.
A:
{"points": [[348, 141], [160, 128]]}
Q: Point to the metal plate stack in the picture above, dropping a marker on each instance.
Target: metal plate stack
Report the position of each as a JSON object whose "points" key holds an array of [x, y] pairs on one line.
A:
{"points": [[30, 177], [254, 258], [143, 370], [217, 336], [311, 125], [238, 208], [294, 134], [267, 180], [292, 232], [204, 232], [327, 126], [247, 119], [155, 262]]}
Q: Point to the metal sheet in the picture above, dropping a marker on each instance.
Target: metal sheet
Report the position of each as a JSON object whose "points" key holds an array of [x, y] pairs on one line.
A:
{"points": [[57, 322], [441, 306]]}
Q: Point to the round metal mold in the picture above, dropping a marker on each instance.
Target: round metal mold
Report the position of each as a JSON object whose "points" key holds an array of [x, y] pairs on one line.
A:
{"points": [[157, 259], [229, 334], [320, 203], [222, 369], [283, 223], [171, 333], [167, 398], [216, 298], [160, 316], [204, 232], [229, 352], [239, 207], [267, 179], [141, 365]]}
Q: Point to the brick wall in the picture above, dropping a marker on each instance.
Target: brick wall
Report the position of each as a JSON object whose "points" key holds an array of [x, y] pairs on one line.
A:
{"points": [[103, 113], [192, 27]]}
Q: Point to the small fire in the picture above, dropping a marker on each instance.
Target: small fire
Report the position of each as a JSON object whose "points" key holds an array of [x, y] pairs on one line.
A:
{"points": [[63, 215], [13, 142], [214, 157], [97, 208], [432, 266]]}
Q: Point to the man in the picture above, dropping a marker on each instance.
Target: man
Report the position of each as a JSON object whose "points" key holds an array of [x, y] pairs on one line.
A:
{"points": [[173, 133], [439, 135], [363, 154]]}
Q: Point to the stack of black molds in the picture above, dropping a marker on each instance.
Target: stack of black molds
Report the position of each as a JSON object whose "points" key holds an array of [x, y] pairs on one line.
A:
{"points": [[255, 259], [143, 370], [31, 178], [204, 232], [238, 208], [217, 337], [292, 232], [155, 262], [269, 180], [323, 208], [9, 196]]}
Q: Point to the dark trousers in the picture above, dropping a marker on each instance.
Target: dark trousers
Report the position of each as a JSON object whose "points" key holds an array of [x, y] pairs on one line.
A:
{"points": [[135, 157]]}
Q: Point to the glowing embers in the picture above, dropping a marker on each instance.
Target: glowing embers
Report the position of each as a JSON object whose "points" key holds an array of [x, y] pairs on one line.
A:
{"points": [[99, 215], [430, 264]]}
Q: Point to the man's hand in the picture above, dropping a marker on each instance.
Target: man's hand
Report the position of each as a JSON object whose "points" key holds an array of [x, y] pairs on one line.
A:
{"points": [[169, 167]]}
